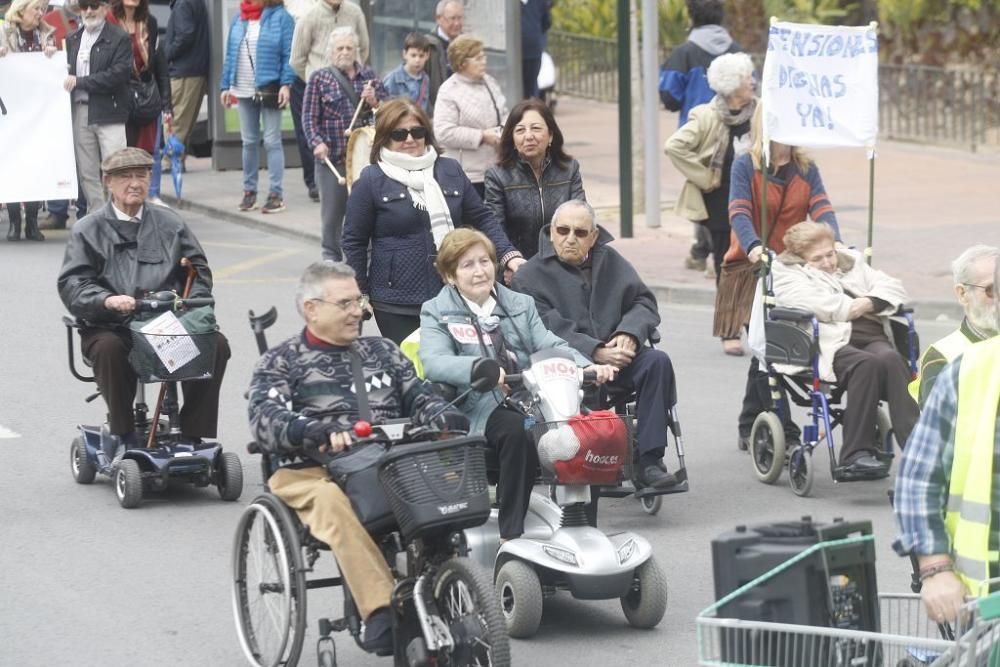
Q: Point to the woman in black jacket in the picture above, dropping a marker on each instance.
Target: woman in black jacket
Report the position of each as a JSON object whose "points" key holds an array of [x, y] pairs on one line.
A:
{"points": [[533, 175], [148, 64], [403, 205]]}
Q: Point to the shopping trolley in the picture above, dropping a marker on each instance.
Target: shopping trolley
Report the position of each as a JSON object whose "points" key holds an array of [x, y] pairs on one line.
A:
{"points": [[902, 637]]}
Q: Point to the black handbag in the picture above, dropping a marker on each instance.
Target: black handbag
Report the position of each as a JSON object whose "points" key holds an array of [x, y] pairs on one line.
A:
{"points": [[144, 101], [355, 470], [267, 95]]}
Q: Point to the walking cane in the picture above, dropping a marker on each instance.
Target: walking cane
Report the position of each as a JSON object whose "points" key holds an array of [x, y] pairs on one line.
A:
{"points": [[191, 274]]}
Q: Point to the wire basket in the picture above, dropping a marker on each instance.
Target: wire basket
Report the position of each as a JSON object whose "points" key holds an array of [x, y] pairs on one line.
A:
{"points": [[149, 367], [437, 486], [905, 637], [565, 459]]}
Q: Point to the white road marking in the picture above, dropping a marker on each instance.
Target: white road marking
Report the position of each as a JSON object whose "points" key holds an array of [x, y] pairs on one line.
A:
{"points": [[7, 433]]}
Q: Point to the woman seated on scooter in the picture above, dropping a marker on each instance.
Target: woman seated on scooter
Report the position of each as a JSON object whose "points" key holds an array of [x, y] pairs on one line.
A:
{"points": [[472, 317], [852, 302]]}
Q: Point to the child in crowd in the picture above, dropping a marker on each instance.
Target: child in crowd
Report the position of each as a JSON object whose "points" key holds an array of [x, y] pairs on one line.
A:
{"points": [[410, 79]]}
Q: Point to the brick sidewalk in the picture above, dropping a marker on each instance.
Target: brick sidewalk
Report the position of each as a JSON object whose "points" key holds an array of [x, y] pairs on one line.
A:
{"points": [[930, 204]]}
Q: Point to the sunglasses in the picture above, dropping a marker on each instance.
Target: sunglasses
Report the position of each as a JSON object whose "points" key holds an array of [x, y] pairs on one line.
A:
{"points": [[562, 230], [90, 5], [418, 132]]}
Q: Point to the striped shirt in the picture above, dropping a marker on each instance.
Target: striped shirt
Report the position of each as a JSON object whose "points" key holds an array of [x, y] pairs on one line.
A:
{"points": [[923, 479], [245, 83]]}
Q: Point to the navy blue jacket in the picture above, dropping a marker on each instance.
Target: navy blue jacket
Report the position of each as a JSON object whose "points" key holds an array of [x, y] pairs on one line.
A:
{"points": [[381, 212], [536, 19], [186, 45]]}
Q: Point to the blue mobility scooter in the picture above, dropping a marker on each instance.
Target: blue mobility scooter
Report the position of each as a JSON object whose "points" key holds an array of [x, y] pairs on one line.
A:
{"points": [[164, 455], [444, 609]]}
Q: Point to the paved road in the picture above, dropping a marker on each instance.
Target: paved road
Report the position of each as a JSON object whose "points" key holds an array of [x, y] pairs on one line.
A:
{"points": [[87, 583]]}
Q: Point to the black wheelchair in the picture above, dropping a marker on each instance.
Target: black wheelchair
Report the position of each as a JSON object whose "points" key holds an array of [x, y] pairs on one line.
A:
{"points": [[791, 345], [165, 455], [444, 608]]}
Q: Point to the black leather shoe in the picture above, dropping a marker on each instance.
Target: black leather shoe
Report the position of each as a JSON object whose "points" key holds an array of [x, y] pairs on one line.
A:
{"points": [[378, 633], [656, 477], [865, 463], [743, 443], [314, 194]]}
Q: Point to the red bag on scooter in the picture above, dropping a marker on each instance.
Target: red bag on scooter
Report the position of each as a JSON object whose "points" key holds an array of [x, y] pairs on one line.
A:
{"points": [[601, 455]]}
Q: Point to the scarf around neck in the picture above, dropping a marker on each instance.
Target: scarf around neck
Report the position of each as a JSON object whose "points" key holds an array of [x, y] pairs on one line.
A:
{"points": [[722, 139], [417, 174], [250, 11]]}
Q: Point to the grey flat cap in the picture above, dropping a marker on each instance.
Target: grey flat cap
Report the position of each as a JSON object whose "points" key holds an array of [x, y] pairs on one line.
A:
{"points": [[127, 158]]}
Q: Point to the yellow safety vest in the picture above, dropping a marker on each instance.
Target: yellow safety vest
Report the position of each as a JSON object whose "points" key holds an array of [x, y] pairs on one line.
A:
{"points": [[950, 347], [410, 348], [967, 518]]}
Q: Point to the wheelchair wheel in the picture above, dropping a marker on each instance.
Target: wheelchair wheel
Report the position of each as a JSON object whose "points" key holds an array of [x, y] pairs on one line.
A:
{"points": [[767, 447], [800, 470], [520, 598], [651, 504], [128, 484], [466, 600], [83, 470], [229, 476], [645, 604], [269, 586]]}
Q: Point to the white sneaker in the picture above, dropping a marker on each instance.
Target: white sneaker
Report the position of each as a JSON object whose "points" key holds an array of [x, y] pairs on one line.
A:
{"points": [[157, 201]]}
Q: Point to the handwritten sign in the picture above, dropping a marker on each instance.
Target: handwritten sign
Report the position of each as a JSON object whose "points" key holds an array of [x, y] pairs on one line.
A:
{"points": [[820, 85], [36, 129]]}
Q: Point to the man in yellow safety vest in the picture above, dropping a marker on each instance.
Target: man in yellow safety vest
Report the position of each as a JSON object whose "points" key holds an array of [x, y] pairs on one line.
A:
{"points": [[947, 496], [973, 274]]}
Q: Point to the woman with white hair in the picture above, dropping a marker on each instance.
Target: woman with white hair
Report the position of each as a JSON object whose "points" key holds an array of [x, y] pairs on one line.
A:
{"points": [[23, 31], [704, 148]]}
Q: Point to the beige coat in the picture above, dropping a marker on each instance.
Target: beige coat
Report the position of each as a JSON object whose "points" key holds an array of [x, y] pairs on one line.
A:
{"points": [[462, 111], [690, 148], [798, 285], [312, 36], [8, 35]]}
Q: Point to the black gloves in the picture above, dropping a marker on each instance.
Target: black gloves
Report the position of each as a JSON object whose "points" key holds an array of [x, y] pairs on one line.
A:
{"points": [[452, 421]]}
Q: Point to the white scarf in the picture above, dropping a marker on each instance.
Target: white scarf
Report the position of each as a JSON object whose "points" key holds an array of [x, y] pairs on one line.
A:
{"points": [[417, 174]]}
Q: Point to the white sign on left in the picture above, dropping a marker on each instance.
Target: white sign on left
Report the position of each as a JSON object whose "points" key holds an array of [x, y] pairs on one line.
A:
{"points": [[36, 129]]}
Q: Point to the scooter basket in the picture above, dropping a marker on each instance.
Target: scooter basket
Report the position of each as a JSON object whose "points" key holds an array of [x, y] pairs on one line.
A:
{"points": [[436, 487], [150, 368]]}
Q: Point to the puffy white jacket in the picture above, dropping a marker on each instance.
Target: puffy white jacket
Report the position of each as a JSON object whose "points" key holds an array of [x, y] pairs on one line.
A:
{"points": [[463, 109]]}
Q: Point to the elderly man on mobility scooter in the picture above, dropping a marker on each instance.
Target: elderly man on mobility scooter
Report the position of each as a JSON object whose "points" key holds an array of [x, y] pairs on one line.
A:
{"points": [[302, 398], [591, 297], [116, 254]]}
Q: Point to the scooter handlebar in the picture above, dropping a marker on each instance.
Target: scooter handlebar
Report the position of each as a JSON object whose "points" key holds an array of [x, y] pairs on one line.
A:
{"points": [[511, 379], [164, 301]]}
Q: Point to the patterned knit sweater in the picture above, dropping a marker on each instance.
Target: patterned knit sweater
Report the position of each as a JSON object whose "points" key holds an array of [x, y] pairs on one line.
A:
{"points": [[298, 382]]}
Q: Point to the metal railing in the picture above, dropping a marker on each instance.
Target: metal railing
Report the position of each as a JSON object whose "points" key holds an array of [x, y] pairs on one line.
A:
{"points": [[916, 103]]}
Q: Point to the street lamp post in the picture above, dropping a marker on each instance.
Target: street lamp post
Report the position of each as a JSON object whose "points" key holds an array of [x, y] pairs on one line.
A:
{"points": [[624, 120]]}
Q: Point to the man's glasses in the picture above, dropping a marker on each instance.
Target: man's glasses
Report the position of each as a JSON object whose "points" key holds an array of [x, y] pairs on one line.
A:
{"points": [[418, 132], [562, 230], [345, 304], [987, 289]]}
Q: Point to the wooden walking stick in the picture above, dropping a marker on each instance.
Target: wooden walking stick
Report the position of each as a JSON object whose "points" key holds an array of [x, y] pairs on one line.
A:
{"points": [[188, 282]]}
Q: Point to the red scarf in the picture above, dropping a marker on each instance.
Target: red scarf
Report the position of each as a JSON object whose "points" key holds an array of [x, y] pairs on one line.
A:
{"points": [[250, 11]]}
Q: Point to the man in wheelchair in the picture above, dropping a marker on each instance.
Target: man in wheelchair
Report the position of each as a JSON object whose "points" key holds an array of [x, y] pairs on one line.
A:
{"points": [[117, 253], [591, 297], [852, 303], [303, 405]]}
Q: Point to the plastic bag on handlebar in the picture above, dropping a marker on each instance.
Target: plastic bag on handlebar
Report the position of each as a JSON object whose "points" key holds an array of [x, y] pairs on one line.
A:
{"points": [[200, 325], [592, 450]]}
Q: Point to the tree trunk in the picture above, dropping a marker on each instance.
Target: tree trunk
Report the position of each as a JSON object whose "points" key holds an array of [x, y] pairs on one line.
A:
{"points": [[747, 23]]}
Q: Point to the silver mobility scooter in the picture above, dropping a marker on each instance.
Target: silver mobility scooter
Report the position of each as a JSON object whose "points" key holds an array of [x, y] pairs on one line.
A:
{"points": [[559, 550], [164, 454]]}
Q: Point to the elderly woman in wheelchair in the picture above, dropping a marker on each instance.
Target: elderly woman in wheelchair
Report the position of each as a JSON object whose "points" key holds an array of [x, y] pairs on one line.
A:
{"points": [[851, 304]]}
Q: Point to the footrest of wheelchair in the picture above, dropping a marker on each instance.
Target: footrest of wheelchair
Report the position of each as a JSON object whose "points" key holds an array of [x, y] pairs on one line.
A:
{"points": [[842, 475], [650, 491]]}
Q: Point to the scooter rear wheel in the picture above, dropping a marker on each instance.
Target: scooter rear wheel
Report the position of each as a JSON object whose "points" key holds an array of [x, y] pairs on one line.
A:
{"points": [[521, 598], [646, 602], [467, 602]]}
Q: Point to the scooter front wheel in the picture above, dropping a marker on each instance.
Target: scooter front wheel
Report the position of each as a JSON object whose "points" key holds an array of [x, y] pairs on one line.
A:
{"points": [[521, 598], [646, 602]]}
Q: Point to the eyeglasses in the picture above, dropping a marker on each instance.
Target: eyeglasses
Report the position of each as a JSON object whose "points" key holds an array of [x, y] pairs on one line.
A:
{"points": [[562, 230], [345, 304], [987, 289], [418, 132], [137, 175]]}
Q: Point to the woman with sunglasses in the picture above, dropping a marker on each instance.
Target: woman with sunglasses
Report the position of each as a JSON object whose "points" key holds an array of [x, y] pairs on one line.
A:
{"points": [[398, 213], [533, 176], [470, 110], [24, 31], [474, 317]]}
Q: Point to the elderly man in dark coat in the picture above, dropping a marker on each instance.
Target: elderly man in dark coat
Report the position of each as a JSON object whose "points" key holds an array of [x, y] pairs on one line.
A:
{"points": [[592, 298]]}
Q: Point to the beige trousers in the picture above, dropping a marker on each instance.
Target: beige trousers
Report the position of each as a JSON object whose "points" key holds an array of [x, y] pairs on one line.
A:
{"points": [[93, 143], [185, 96], [324, 508]]}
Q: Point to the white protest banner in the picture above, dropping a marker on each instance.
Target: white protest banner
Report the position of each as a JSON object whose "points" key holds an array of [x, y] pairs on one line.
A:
{"points": [[36, 129], [820, 85]]}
